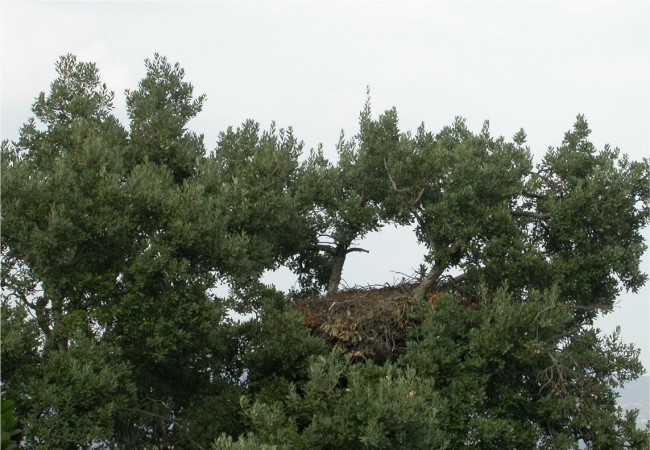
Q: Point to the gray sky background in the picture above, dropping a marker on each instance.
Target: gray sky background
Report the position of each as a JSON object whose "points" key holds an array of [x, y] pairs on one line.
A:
{"points": [[534, 65]]}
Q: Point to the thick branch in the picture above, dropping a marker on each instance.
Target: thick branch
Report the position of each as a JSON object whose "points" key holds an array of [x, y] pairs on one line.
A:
{"points": [[417, 200], [23, 298], [428, 281], [331, 249], [457, 279], [533, 195], [338, 260], [432, 278]]}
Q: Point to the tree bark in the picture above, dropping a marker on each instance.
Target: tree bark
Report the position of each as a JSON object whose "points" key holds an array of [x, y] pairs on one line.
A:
{"points": [[427, 283], [43, 319], [338, 260], [432, 278]]}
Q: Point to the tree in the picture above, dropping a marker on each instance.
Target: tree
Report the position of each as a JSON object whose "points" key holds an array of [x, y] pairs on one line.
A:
{"points": [[508, 374], [114, 241], [487, 215], [511, 351], [117, 237]]}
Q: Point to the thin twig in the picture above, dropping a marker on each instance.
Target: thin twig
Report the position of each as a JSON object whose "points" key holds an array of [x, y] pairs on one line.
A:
{"points": [[531, 214]]}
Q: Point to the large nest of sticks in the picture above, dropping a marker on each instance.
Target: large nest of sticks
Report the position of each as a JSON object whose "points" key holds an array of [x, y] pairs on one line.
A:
{"points": [[370, 323]]}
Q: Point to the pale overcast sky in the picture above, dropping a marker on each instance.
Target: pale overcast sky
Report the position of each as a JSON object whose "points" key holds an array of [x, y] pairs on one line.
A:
{"points": [[534, 65]]}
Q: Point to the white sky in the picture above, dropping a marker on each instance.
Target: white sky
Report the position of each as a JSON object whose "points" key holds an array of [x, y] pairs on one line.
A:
{"points": [[534, 65]]}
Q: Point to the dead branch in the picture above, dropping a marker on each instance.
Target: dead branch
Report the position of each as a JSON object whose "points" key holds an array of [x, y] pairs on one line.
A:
{"points": [[357, 249]]}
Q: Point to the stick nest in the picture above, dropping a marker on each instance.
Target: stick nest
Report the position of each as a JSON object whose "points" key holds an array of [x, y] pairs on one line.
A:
{"points": [[370, 323]]}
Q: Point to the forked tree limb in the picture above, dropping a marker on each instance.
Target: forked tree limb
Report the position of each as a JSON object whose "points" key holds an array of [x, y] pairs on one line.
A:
{"points": [[393, 181]]}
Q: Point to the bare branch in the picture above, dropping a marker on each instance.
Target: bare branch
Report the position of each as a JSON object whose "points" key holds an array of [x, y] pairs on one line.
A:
{"points": [[23, 297], [357, 249], [393, 181], [531, 214], [540, 313], [413, 278], [458, 279], [451, 281], [417, 200]]}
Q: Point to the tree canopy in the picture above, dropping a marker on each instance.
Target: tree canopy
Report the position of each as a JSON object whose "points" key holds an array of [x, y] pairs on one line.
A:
{"points": [[116, 240]]}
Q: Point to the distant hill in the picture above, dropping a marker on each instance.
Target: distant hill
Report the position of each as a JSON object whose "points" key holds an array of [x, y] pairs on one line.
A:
{"points": [[636, 395]]}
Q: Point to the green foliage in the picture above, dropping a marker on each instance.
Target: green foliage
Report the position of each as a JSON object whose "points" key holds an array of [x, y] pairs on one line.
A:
{"points": [[159, 111], [278, 352], [248, 442], [9, 428], [515, 374], [352, 406], [80, 396], [253, 175], [18, 348], [99, 243], [481, 208], [114, 241], [599, 204]]}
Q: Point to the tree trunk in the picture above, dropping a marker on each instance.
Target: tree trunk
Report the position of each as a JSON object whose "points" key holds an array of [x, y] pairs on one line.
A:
{"points": [[338, 260], [427, 283], [432, 278], [43, 318]]}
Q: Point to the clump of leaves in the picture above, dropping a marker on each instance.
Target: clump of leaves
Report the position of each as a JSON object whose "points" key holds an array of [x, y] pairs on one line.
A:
{"points": [[9, 426]]}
